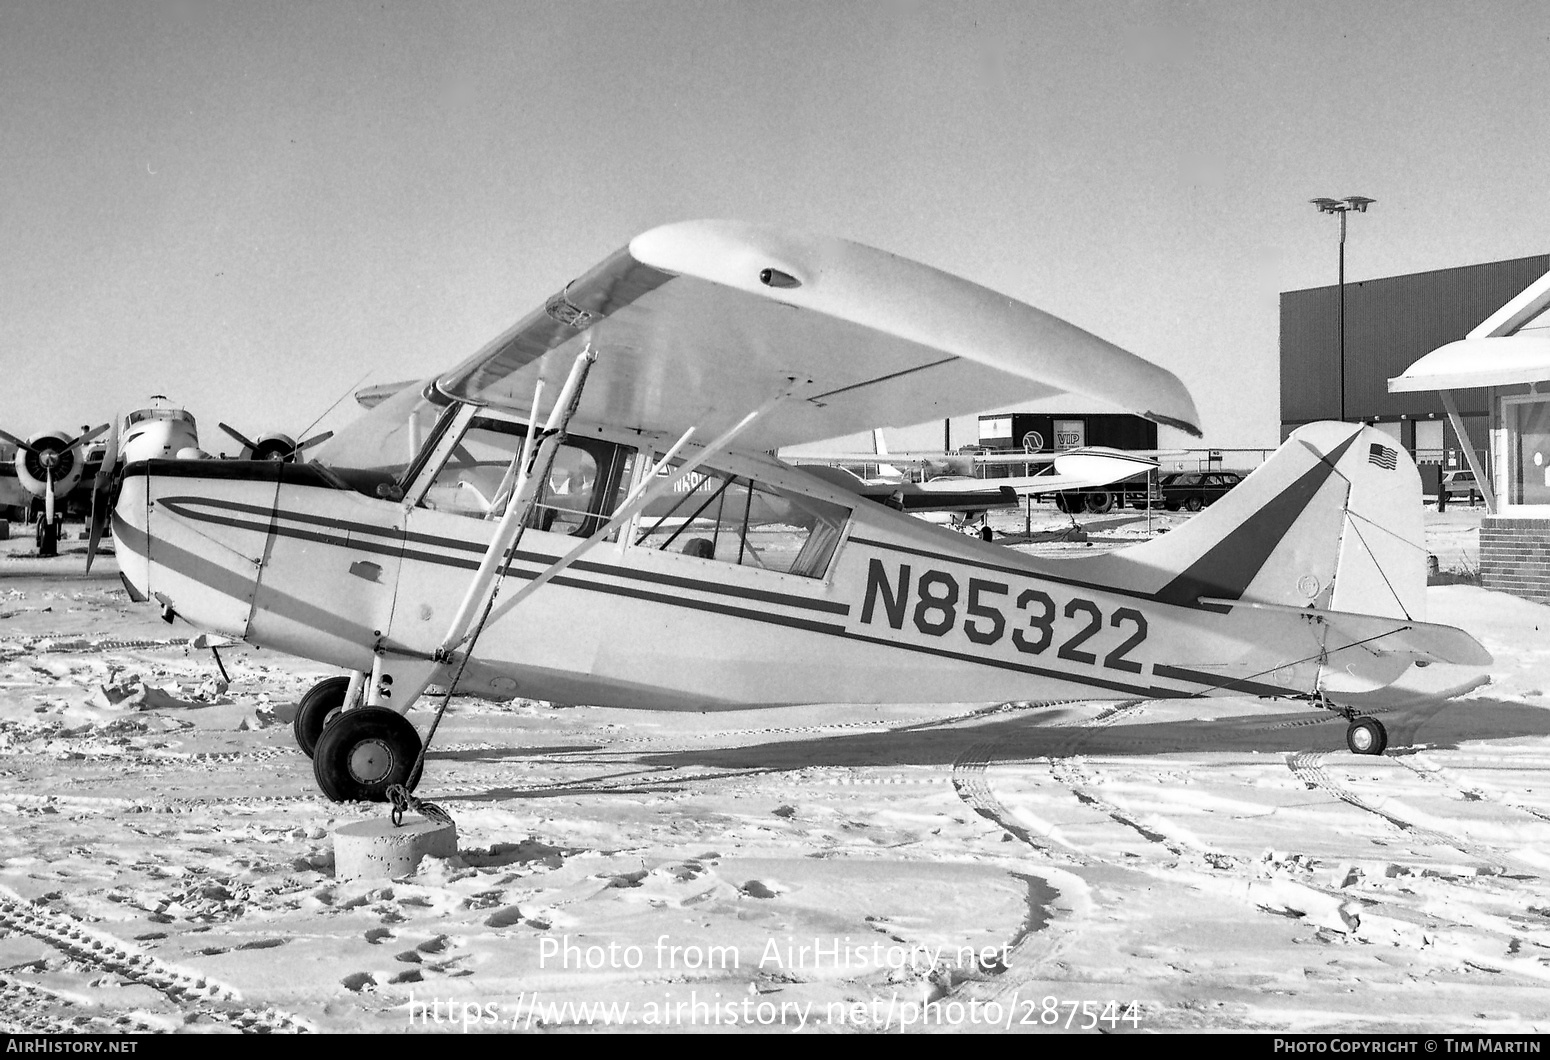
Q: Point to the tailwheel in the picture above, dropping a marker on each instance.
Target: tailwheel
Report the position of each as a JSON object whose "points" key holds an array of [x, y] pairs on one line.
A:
{"points": [[320, 706], [1366, 736], [363, 753]]}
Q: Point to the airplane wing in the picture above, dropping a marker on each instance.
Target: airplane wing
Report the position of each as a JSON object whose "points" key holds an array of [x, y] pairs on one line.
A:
{"points": [[1073, 470], [700, 322], [369, 397], [918, 459]]}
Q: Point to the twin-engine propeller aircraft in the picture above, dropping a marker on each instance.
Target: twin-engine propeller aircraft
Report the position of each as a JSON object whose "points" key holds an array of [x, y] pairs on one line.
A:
{"points": [[48, 465], [585, 511]]}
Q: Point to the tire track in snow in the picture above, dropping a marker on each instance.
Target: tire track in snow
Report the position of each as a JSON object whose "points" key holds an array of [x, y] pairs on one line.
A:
{"points": [[971, 784], [1424, 767], [1308, 767], [194, 996]]}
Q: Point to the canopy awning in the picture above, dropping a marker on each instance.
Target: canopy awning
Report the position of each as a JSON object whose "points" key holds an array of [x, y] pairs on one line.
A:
{"points": [[1500, 361]]}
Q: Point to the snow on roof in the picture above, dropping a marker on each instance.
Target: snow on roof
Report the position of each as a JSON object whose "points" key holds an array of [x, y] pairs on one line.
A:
{"points": [[1498, 361]]}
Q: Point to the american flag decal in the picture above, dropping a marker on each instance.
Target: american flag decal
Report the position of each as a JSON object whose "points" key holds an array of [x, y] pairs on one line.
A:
{"points": [[1383, 456]]}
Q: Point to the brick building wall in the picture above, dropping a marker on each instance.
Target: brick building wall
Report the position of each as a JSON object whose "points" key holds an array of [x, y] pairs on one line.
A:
{"points": [[1515, 556]]}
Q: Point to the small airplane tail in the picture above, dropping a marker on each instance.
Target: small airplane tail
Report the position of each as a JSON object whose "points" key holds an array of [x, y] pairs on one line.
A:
{"points": [[1331, 521], [881, 449]]}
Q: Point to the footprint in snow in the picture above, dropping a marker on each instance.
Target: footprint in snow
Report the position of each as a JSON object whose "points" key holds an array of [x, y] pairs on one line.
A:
{"points": [[756, 889], [504, 918], [376, 935], [438, 944], [358, 981], [263, 944]]}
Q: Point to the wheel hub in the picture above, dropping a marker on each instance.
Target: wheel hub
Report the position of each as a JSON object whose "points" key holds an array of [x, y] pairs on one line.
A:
{"points": [[370, 761], [1361, 738]]}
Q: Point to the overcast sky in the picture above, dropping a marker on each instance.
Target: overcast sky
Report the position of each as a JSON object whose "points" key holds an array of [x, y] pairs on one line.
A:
{"points": [[252, 207]]}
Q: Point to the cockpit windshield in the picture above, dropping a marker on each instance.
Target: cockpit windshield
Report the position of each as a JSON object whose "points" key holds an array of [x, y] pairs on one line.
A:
{"points": [[387, 438]]}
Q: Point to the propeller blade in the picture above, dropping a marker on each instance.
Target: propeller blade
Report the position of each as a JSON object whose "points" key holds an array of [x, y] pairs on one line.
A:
{"points": [[316, 439], [102, 488], [109, 460], [98, 506], [8, 436], [248, 443], [88, 436]]}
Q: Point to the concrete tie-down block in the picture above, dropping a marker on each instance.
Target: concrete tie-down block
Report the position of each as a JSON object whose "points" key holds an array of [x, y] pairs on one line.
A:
{"points": [[377, 850]]}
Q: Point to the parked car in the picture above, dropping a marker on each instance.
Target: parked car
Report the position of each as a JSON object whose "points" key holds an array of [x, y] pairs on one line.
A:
{"points": [[1460, 484], [1193, 490]]}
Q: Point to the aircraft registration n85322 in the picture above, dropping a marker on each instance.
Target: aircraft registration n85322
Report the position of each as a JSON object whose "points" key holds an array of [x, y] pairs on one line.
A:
{"points": [[587, 511]]}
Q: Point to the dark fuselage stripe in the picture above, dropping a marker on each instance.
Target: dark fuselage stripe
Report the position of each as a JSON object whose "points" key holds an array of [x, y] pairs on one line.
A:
{"points": [[392, 541]]}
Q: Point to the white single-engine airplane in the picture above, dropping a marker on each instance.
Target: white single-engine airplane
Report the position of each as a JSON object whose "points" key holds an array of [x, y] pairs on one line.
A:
{"points": [[585, 511]]}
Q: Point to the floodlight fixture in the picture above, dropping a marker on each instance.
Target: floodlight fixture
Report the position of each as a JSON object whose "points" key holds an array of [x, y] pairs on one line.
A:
{"points": [[1359, 203]]}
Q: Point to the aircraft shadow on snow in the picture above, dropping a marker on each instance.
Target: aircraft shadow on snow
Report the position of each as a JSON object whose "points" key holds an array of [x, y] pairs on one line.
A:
{"points": [[1025, 735]]}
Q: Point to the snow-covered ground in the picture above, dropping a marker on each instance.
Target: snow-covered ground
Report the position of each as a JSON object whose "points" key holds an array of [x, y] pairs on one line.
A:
{"points": [[1220, 863]]}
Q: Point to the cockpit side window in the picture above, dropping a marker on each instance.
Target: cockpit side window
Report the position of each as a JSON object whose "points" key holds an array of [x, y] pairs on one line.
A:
{"points": [[480, 475], [732, 519]]}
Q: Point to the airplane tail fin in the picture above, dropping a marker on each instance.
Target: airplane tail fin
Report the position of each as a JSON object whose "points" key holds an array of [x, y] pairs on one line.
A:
{"points": [[881, 449], [1331, 521]]}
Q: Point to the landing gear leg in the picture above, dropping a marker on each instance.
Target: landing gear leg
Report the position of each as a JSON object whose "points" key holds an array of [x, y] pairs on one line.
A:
{"points": [[48, 537]]}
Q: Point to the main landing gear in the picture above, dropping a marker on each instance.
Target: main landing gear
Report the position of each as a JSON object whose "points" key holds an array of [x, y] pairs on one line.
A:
{"points": [[1364, 736], [364, 752], [357, 754]]}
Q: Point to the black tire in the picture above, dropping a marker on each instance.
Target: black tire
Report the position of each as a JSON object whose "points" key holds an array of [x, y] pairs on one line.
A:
{"points": [[1060, 503], [318, 707], [987, 534], [1194, 504], [1366, 736], [365, 752], [48, 538], [1100, 503]]}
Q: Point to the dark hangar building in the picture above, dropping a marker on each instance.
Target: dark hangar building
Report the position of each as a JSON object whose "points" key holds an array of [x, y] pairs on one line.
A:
{"points": [[1390, 323]]}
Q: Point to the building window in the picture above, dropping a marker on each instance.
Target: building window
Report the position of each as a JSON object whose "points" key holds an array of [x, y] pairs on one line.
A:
{"points": [[1528, 450]]}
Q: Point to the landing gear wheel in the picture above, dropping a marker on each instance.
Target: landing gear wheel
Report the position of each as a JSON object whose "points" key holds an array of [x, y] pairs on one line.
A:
{"points": [[1366, 736], [365, 752], [318, 708], [1194, 504], [1100, 502], [986, 534], [48, 538]]}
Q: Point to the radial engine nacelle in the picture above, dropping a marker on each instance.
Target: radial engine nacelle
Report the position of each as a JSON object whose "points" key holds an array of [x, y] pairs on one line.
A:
{"points": [[56, 455], [273, 446]]}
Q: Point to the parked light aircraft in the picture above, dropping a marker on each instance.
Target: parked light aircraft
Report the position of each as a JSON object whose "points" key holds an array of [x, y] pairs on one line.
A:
{"points": [[481, 535]]}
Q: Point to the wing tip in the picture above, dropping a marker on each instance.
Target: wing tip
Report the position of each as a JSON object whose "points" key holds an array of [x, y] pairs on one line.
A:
{"points": [[1177, 424]]}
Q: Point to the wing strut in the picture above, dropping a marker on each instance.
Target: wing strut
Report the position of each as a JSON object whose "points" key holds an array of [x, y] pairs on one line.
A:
{"points": [[538, 453], [649, 490]]}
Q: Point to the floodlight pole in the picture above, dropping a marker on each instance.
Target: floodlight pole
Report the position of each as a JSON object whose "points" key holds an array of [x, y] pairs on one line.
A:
{"points": [[1359, 203]]}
